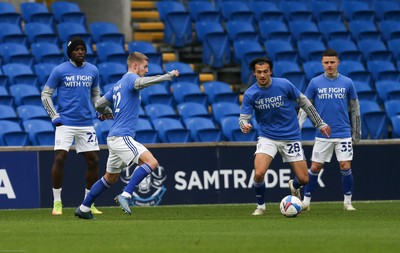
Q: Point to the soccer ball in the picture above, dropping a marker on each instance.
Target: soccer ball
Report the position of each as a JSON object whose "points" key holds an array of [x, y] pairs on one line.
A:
{"points": [[291, 206]]}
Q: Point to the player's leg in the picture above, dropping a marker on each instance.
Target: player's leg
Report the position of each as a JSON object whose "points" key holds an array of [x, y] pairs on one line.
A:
{"points": [[113, 170], [265, 153], [63, 140], [322, 152], [313, 173], [261, 164], [344, 154], [87, 145], [57, 176]]}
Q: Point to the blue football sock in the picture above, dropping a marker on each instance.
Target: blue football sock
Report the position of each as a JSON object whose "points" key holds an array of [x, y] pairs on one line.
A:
{"points": [[100, 186], [138, 175], [296, 183], [260, 192], [347, 182], [312, 183]]}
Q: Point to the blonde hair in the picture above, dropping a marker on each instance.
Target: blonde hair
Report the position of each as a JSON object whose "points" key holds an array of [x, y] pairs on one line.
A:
{"points": [[136, 57]]}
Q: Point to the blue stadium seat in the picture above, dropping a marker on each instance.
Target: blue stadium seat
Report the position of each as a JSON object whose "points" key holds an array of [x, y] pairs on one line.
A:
{"points": [[392, 108], [5, 97], [358, 10], [374, 50], [160, 111], [43, 71], [41, 132], [388, 90], [7, 112], [390, 29], [230, 129], [68, 12], [171, 130], [312, 69], [20, 73], [111, 72], [8, 14], [274, 29], [363, 29], [311, 50], [33, 12], [216, 50], [178, 29], [25, 94], [302, 29], [11, 134], [68, 30], [386, 10], [106, 31], [236, 10], [186, 73], [264, 10], [326, 11], [347, 49], [16, 53], [145, 133], [374, 121], [383, 70], [12, 33], [223, 109], [205, 27], [32, 112], [280, 50], [295, 10], [156, 94], [192, 109], [283, 67], [203, 11], [394, 47], [395, 121], [332, 30], [241, 30], [146, 48], [365, 91], [203, 129], [39, 32], [218, 91], [45, 52], [188, 92], [242, 47], [165, 7], [355, 70], [111, 52]]}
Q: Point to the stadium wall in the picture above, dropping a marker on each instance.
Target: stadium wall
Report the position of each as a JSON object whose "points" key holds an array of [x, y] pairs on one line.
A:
{"points": [[194, 174]]}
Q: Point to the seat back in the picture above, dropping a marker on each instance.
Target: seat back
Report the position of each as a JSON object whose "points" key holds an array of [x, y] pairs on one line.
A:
{"points": [[231, 130]]}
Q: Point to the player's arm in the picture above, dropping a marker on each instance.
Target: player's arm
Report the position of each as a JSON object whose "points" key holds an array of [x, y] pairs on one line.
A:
{"points": [[355, 119], [244, 123], [47, 102], [102, 105], [312, 113], [302, 116], [143, 82], [107, 112]]}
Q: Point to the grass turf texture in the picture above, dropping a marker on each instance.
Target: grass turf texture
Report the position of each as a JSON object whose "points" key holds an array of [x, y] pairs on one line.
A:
{"points": [[374, 227]]}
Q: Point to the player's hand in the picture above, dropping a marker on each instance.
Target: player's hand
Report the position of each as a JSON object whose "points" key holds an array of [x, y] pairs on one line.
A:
{"points": [[103, 116], [247, 128], [326, 130], [174, 73], [57, 122]]}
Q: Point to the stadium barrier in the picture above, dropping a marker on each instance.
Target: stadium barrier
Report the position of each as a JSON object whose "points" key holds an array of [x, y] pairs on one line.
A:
{"points": [[198, 173]]}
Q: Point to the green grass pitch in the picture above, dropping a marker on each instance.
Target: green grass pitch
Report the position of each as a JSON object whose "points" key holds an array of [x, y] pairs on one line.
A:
{"points": [[374, 227]]}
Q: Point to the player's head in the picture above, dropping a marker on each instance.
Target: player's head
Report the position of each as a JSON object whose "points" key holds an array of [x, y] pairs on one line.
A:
{"points": [[138, 63], [262, 70], [76, 50], [330, 62]]}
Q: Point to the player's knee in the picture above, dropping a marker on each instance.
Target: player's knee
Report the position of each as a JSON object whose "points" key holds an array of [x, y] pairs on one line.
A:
{"points": [[153, 163], [259, 177]]}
